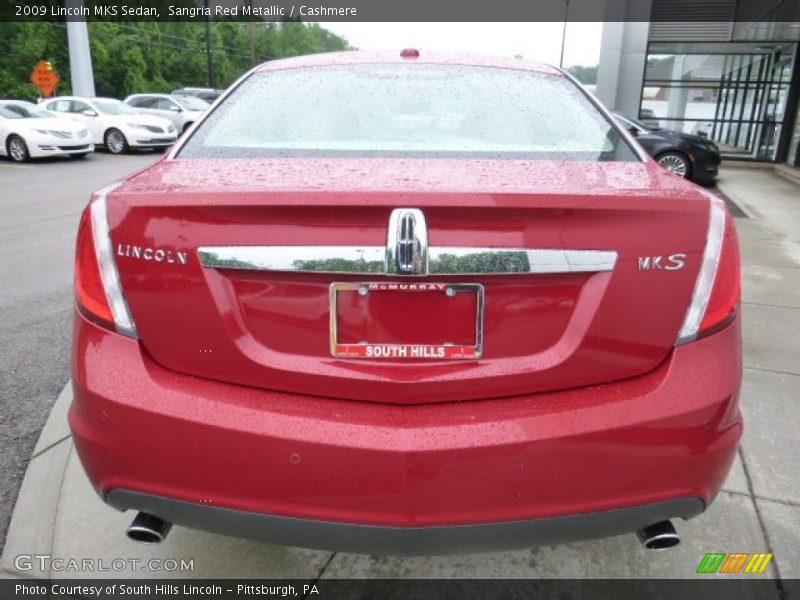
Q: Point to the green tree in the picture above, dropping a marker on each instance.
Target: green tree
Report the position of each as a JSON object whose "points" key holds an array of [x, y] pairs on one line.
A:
{"points": [[129, 57], [586, 75]]}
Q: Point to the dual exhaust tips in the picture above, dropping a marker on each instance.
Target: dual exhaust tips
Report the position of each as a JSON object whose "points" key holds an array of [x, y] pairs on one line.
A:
{"points": [[660, 536], [149, 529]]}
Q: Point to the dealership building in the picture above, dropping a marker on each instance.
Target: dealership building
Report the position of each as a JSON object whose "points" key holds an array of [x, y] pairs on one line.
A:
{"points": [[725, 69]]}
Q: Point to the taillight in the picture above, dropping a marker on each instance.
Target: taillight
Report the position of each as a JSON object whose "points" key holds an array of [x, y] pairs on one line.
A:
{"points": [[97, 288], [716, 293]]}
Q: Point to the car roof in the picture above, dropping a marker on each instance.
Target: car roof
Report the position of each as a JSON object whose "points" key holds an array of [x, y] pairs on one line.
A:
{"points": [[437, 58], [84, 98]]}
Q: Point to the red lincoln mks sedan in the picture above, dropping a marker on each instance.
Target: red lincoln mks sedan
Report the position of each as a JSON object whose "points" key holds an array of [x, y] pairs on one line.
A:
{"points": [[407, 303]]}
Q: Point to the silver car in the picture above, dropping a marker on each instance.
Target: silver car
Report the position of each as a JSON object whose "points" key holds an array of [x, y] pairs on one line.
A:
{"points": [[181, 110]]}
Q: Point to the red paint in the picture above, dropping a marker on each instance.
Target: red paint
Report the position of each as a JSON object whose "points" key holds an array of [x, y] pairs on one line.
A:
{"points": [[542, 332]]}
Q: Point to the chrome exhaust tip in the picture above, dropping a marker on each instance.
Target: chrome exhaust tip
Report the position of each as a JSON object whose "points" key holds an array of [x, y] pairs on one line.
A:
{"points": [[659, 536], [148, 529]]}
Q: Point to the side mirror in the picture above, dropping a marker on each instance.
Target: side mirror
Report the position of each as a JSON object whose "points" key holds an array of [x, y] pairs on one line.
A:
{"points": [[634, 131], [89, 113], [174, 108]]}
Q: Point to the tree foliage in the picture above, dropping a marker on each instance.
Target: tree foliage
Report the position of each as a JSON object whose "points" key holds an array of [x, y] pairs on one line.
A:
{"points": [[586, 75], [130, 57]]}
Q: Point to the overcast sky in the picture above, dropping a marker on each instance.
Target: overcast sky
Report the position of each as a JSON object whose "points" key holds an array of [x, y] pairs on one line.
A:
{"points": [[540, 42]]}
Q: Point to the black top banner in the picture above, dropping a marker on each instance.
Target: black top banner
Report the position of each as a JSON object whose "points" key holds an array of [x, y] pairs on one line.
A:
{"points": [[385, 10]]}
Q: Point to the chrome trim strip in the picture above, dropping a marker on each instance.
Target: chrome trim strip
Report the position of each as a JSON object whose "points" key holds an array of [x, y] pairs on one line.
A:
{"points": [[376, 260], [302, 259], [501, 261]]}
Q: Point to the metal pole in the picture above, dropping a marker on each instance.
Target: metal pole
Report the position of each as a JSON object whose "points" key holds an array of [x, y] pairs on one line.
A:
{"points": [[564, 35], [253, 25], [211, 78], [80, 57]]}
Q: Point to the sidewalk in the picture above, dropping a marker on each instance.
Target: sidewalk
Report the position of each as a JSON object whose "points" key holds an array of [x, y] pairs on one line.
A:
{"points": [[58, 514]]}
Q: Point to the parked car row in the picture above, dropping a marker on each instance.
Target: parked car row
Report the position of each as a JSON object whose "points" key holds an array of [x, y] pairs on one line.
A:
{"points": [[207, 94], [181, 110], [74, 125]]}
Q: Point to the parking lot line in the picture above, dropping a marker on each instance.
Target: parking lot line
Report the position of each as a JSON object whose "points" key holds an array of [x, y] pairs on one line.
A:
{"points": [[16, 166]]}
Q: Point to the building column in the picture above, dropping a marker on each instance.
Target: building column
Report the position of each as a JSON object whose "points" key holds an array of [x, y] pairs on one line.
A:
{"points": [[623, 54], [678, 96], [80, 57]]}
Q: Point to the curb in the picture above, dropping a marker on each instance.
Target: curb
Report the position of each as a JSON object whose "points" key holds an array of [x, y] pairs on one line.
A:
{"points": [[33, 522]]}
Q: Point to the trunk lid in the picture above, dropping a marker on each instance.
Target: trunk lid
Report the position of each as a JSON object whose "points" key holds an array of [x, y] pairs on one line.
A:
{"points": [[552, 329]]}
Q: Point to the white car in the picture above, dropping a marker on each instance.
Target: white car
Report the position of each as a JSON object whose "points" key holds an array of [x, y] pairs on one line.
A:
{"points": [[703, 129], [27, 131], [114, 124], [181, 110]]}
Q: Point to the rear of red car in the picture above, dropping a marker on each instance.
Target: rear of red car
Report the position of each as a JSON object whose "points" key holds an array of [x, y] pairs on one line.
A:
{"points": [[407, 305]]}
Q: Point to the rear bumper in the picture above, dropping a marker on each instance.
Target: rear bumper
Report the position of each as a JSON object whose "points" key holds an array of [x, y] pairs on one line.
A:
{"points": [[388, 540], [706, 173], [217, 456], [706, 165]]}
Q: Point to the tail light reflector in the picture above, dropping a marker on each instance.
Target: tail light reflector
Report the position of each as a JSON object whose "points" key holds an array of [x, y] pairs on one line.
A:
{"points": [[716, 293], [97, 287]]}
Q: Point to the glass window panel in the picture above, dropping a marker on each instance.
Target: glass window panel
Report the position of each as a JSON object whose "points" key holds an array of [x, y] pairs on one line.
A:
{"points": [[735, 94], [682, 102], [693, 127], [794, 145], [684, 67], [768, 141]]}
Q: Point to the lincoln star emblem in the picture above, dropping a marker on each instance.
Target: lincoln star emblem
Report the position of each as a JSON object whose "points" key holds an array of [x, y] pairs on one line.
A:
{"points": [[407, 243]]}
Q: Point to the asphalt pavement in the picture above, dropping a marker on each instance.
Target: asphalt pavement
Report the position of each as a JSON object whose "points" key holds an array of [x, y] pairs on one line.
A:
{"points": [[40, 205]]}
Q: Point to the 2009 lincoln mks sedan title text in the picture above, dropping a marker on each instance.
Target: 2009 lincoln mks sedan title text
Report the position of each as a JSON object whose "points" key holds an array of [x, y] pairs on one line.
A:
{"points": [[407, 303]]}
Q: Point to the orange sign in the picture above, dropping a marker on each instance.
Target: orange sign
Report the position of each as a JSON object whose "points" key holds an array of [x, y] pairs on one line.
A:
{"points": [[45, 78]]}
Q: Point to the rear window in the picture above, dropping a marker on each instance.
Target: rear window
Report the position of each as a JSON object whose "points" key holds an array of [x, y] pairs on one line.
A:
{"points": [[408, 111], [191, 103]]}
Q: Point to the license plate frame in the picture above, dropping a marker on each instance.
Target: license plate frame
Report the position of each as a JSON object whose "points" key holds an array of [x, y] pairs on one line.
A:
{"points": [[394, 351]]}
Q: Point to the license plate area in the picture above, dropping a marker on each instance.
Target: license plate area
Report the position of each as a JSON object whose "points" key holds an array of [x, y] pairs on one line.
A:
{"points": [[399, 320]]}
